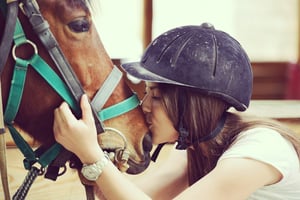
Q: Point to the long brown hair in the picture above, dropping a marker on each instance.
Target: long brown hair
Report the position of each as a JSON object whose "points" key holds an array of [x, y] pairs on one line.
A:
{"points": [[201, 116]]}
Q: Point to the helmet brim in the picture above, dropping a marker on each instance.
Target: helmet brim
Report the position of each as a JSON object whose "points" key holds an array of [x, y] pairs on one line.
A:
{"points": [[138, 71]]}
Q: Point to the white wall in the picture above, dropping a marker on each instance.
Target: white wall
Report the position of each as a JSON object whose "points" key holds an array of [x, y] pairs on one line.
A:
{"points": [[267, 29], [119, 26], [171, 13]]}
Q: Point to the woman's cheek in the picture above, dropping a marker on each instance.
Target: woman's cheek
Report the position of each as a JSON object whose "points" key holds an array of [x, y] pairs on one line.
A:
{"points": [[156, 138]]}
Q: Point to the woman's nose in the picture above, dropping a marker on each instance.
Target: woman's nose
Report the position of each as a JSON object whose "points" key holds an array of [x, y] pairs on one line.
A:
{"points": [[146, 104]]}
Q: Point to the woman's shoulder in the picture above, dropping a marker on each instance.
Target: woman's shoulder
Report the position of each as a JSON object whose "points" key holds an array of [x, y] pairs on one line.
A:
{"points": [[261, 133], [260, 140], [266, 145]]}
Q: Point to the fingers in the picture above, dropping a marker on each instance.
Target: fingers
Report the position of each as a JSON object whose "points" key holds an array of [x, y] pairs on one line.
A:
{"points": [[75, 134], [62, 117], [65, 120], [64, 113], [87, 114]]}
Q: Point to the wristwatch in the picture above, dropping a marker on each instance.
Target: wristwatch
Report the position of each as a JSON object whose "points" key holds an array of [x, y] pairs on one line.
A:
{"points": [[92, 171]]}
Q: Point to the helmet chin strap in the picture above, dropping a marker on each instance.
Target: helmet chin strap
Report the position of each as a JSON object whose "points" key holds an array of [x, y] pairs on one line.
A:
{"points": [[183, 143], [216, 131], [156, 152], [183, 134]]}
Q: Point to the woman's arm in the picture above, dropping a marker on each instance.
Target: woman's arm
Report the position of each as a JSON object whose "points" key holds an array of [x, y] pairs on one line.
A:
{"points": [[233, 179], [167, 178]]}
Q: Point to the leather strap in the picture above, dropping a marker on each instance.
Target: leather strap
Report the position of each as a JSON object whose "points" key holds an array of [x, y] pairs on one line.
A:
{"points": [[106, 89], [216, 131], [10, 9], [104, 93], [41, 27], [6, 42]]}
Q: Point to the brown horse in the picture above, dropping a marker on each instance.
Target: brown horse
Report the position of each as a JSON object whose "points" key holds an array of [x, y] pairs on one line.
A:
{"points": [[71, 23]]}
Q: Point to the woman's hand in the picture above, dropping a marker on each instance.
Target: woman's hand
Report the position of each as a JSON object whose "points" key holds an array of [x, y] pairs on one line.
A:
{"points": [[80, 137], [77, 135]]}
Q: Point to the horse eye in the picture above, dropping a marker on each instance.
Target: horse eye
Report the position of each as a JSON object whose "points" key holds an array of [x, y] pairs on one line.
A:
{"points": [[80, 25]]}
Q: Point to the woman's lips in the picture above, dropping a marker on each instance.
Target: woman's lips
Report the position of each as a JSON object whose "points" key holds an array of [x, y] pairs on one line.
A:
{"points": [[149, 123]]}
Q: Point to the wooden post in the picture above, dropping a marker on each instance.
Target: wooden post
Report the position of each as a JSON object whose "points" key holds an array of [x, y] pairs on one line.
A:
{"points": [[147, 22], [293, 74]]}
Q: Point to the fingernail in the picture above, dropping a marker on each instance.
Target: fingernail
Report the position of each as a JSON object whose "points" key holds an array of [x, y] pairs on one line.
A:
{"points": [[85, 97]]}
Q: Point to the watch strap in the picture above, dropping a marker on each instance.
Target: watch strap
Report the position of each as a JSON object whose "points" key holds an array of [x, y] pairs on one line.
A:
{"points": [[99, 165]]}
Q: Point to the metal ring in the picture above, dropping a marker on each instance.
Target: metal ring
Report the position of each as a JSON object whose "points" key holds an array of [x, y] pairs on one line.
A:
{"points": [[27, 42], [63, 171], [41, 171], [119, 133], [38, 167]]}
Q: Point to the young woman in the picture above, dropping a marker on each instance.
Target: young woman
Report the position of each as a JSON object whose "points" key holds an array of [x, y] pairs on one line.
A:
{"points": [[194, 74]]}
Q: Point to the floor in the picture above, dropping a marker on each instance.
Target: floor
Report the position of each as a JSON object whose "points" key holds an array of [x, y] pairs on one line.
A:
{"points": [[67, 187]]}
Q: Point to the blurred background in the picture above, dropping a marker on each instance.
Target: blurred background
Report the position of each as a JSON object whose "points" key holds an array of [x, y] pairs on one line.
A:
{"points": [[267, 29]]}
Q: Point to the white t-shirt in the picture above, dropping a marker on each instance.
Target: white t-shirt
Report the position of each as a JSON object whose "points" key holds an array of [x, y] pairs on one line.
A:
{"points": [[268, 146]]}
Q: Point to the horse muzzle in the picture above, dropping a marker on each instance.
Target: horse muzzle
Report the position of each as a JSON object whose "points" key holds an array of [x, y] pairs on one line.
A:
{"points": [[120, 155], [136, 168]]}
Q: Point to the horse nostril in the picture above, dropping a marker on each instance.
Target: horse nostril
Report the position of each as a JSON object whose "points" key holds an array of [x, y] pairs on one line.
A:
{"points": [[147, 143]]}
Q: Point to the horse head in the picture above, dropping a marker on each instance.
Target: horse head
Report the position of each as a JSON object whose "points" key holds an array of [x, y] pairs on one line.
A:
{"points": [[72, 25]]}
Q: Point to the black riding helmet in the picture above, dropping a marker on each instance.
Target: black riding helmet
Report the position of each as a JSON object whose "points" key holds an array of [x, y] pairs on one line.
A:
{"points": [[198, 57]]}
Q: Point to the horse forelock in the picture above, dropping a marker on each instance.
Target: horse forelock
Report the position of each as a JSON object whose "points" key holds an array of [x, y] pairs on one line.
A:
{"points": [[90, 6], [79, 3]]}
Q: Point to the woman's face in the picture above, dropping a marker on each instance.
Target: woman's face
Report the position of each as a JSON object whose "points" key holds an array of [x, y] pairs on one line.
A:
{"points": [[159, 123]]}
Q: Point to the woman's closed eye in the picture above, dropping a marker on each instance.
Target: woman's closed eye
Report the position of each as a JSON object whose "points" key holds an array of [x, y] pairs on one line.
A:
{"points": [[157, 98]]}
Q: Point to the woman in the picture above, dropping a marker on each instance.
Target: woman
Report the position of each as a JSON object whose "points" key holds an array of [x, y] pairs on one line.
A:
{"points": [[194, 74]]}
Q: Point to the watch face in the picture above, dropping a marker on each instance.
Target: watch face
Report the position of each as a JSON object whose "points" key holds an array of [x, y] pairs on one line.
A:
{"points": [[90, 172]]}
